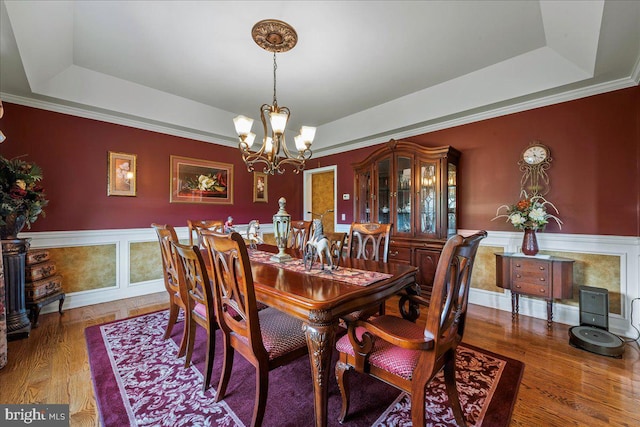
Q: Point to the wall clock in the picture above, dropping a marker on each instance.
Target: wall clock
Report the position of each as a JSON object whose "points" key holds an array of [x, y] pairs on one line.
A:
{"points": [[534, 162]]}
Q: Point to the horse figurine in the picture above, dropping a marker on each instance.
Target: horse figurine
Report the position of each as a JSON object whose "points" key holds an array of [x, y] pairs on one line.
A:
{"points": [[318, 248], [253, 234]]}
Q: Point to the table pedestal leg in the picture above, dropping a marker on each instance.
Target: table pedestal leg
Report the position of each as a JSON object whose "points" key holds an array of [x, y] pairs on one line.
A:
{"points": [[320, 341], [549, 313]]}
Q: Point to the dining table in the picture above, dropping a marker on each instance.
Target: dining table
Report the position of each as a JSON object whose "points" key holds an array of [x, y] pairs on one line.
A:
{"points": [[321, 297]]}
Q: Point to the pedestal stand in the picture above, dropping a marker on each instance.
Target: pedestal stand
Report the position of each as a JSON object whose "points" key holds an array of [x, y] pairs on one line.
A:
{"points": [[13, 258]]}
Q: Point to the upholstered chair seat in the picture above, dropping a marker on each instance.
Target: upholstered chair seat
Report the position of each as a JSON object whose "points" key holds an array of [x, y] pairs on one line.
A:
{"points": [[280, 333], [384, 355]]}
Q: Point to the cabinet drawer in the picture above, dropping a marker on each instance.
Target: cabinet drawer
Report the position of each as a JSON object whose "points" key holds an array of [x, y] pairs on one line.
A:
{"points": [[532, 289], [42, 288], [397, 254], [37, 256], [531, 271], [39, 271]]}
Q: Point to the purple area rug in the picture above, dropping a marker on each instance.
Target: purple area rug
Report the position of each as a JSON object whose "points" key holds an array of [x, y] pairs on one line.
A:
{"points": [[139, 381]]}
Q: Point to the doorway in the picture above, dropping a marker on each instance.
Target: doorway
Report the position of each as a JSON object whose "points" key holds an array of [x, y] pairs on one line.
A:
{"points": [[319, 196]]}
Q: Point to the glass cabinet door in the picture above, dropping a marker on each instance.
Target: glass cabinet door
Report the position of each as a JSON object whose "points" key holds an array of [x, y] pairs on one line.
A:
{"points": [[427, 198], [452, 200], [364, 194], [383, 196], [404, 186]]}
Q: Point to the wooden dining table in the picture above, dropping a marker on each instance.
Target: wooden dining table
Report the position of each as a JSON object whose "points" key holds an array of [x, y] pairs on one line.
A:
{"points": [[320, 299]]}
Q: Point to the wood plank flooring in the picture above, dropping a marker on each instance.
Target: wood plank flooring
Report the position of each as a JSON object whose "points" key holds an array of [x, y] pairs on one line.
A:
{"points": [[562, 385]]}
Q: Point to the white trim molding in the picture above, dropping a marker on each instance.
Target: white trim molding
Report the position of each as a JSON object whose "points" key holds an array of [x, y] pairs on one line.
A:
{"points": [[627, 248]]}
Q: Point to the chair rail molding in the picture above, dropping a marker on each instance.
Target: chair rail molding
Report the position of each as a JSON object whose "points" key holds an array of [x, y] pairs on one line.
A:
{"points": [[627, 248]]}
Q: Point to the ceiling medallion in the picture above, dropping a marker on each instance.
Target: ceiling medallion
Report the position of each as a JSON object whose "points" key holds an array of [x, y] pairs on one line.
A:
{"points": [[274, 36]]}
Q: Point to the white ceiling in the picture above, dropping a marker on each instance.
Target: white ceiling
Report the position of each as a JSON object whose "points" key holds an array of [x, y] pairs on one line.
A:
{"points": [[362, 71]]}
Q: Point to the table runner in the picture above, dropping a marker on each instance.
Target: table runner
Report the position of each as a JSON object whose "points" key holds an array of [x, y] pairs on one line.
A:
{"points": [[342, 274]]}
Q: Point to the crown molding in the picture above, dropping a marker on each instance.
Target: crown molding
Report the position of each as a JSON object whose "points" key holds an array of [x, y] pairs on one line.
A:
{"points": [[546, 101], [365, 141]]}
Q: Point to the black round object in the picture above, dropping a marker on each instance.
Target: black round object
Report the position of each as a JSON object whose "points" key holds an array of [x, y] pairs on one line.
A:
{"points": [[596, 341]]}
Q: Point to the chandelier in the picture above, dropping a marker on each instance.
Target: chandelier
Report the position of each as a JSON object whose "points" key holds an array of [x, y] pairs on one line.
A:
{"points": [[274, 36]]}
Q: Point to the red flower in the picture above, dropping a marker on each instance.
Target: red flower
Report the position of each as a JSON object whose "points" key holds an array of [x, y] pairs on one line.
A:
{"points": [[17, 192]]}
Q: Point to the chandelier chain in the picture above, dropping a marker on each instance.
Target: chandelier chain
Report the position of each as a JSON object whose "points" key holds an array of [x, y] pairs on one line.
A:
{"points": [[275, 67]]}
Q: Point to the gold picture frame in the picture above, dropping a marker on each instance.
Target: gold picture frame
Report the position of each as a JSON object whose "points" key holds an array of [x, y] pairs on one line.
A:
{"points": [[200, 181], [260, 189], [121, 176]]}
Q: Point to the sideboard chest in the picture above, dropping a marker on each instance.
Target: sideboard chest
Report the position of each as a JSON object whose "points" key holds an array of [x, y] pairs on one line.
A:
{"points": [[549, 278]]}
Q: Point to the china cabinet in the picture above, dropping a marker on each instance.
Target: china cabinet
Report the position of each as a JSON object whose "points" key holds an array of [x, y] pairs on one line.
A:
{"points": [[414, 188]]}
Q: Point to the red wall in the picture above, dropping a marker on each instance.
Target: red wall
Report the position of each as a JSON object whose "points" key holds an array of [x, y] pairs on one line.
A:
{"points": [[595, 172], [72, 153], [594, 175]]}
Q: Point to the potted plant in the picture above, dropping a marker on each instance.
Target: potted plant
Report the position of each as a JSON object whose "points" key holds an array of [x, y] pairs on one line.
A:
{"points": [[22, 197], [529, 214]]}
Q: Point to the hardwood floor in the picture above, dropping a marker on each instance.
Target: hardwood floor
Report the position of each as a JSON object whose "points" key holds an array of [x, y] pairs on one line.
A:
{"points": [[562, 385]]}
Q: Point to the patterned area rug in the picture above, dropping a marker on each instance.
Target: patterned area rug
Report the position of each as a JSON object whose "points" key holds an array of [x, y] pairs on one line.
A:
{"points": [[139, 381]]}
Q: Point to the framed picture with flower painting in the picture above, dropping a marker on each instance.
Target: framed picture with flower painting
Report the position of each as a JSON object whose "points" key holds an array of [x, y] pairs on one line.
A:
{"points": [[201, 181], [260, 187], [121, 176]]}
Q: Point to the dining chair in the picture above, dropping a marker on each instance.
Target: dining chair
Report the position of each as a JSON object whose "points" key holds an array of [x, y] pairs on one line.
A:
{"points": [[196, 225], [406, 355], [300, 234], [167, 235], [196, 286], [267, 338], [369, 241]]}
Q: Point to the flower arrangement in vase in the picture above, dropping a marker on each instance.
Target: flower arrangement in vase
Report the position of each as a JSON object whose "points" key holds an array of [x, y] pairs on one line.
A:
{"points": [[22, 198], [529, 214]]}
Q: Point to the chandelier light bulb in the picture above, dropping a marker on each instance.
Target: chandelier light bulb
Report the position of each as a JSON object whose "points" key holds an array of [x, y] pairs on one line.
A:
{"points": [[308, 133], [249, 139], [300, 144], [268, 145], [278, 122], [243, 125]]}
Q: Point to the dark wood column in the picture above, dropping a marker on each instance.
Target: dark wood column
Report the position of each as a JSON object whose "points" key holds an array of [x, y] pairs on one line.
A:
{"points": [[13, 258]]}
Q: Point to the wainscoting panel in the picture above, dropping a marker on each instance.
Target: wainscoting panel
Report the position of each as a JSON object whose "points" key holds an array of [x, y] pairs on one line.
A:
{"points": [[145, 262], [85, 268]]}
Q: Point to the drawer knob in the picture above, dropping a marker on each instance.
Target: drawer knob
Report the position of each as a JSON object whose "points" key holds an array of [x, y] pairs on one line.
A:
{"points": [[542, 290], [542, 268], [518, 276], [518, 286], [518, 265], [393, 253], [542, 279]]}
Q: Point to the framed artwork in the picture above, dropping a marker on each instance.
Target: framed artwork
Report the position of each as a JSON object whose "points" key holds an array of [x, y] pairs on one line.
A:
{"points": [[260, 187], [201, 181], [121, 176]]}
